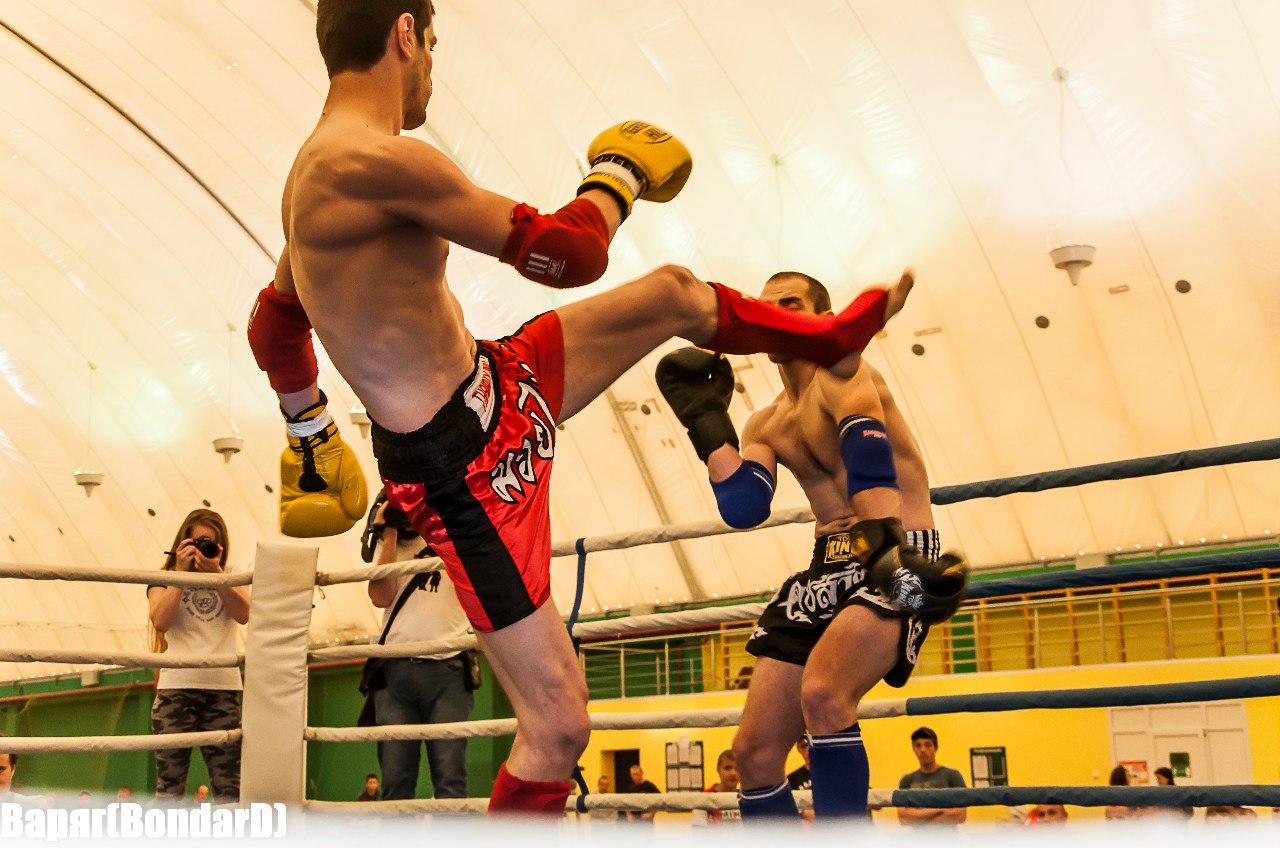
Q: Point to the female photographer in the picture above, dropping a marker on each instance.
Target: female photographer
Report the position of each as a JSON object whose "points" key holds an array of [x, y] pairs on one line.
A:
{"points": [[197, 622]]}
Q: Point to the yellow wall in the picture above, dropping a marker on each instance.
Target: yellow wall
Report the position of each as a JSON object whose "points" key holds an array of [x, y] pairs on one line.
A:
{"points": [[1044, 747]]}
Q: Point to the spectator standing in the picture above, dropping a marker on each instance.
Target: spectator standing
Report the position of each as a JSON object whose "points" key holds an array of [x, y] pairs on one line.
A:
{"points": [[418, 690], [645, 787], [371, 791], [197, 622], [930, 775]]}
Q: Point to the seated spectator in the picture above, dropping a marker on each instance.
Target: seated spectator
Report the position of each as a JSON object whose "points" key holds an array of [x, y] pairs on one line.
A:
{"points": [[124, 793], [197, 622], [202, 794], [1164, 777], [1051, 815], [727, 771], [609, 816], [1119, 777], [371, 791]]}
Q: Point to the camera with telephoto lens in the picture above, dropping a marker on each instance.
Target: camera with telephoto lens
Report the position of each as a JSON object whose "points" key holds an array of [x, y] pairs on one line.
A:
{"points": [[207, 547]]}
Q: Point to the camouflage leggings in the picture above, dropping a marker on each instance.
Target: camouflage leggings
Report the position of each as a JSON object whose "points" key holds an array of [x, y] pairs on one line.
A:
{"points": [[192, 710]]}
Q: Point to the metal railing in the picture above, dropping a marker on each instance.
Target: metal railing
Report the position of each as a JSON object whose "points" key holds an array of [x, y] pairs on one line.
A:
{"points": [[1163, 619]]}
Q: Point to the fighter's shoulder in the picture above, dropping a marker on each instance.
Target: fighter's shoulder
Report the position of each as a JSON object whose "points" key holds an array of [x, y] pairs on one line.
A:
{"points": [[356, 161]]}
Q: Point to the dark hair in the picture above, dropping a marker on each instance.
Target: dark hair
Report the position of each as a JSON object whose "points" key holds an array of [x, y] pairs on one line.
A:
{"points": [[925, 733], [367, 776], [1119, 776], [726, 754], [353, 33], [1166, 773], [817, 291], [197, 516]]}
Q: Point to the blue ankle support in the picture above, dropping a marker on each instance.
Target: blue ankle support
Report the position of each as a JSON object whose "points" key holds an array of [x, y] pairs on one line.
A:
{"points": [[840, 773], [768, 802]]}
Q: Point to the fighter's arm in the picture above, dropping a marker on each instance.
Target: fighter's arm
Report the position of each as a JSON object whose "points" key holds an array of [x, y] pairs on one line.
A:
{"points": [[699, 385], [408, 180], [382, 592]]}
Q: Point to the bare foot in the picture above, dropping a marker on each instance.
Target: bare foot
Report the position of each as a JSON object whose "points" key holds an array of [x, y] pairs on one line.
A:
{"points": [[898, 294]]}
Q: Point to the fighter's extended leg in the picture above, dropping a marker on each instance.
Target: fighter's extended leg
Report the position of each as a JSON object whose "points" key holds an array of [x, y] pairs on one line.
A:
{"points": [[607, 334], [771, 724], [534, 662]]}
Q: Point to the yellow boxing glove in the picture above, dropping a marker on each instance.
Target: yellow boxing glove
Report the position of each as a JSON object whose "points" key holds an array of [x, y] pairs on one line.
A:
{"points": [[637, 160], [322, 490]]}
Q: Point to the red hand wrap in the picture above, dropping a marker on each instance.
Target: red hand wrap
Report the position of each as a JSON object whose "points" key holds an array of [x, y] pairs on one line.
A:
{"points": [[748, 325], [513, 796], [564, 250], [280, 338]]}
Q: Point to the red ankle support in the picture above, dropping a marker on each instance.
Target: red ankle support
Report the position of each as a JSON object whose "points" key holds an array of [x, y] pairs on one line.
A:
{"points": [[513, 796], [748, 325]]}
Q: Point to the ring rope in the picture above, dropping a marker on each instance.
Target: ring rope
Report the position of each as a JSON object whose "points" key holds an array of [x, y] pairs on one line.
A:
{"points": [[1124, 469], [676, 802], [1047, 699], [1242, 795], [400, 568], [185, 579], [102, 744], [589, 629], [1102, 696], [721, 717], [126, 660]]}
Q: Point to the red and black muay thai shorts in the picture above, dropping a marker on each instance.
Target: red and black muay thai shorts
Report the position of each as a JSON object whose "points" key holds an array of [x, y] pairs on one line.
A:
{"points": [[474, 479]]}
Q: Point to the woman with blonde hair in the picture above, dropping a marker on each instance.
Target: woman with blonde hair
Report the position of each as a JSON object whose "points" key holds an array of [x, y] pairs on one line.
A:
{"points": [[197, 622]]}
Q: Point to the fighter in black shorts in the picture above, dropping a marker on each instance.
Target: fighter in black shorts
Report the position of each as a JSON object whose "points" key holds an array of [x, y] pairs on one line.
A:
{"points": [[861, 610]]}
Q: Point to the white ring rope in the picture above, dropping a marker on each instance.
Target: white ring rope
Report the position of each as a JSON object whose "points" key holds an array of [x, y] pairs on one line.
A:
{"points": [[714, 717], [663, 802], [400, 568], [677, 532], [589, 629], [126, 660], [101, 744], [153, 577]]}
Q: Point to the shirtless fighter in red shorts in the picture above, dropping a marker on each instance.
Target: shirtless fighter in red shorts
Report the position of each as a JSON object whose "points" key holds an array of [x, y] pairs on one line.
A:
{"points": [[464, 431]]}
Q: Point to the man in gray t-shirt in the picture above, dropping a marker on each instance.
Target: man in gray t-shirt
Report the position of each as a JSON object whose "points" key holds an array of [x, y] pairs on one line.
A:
{"points": [[930, 775]]}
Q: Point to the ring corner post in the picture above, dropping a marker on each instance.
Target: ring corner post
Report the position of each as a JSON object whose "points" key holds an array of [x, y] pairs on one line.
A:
{"points": [[273, 752]]}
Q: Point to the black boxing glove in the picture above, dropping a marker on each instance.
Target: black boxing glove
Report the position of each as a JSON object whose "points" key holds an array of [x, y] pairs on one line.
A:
{"points": [[931, 589], [698, 386]]}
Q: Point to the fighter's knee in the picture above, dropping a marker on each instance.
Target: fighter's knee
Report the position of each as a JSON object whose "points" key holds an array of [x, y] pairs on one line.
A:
{"points": [[677, 285], [562, 737], [826, 702]]}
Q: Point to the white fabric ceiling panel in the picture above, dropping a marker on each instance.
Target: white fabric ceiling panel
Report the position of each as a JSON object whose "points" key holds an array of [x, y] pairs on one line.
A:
{"points": [[843, 138]]}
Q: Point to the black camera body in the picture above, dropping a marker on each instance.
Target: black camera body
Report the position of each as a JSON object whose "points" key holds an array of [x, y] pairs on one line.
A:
{"points": [[207, 547]]}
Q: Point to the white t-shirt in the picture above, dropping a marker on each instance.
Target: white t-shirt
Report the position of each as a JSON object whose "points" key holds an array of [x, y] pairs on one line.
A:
{"points": [[201, 626], [431, 613]]}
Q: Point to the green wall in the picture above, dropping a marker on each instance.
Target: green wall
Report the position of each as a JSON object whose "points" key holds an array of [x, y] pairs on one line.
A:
{"points": [[121, 705]]}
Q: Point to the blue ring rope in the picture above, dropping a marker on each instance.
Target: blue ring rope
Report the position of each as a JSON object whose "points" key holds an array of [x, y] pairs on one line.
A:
{"points": [[1093, 796], [1103, 696], [581, 547], [1122, 470]]}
